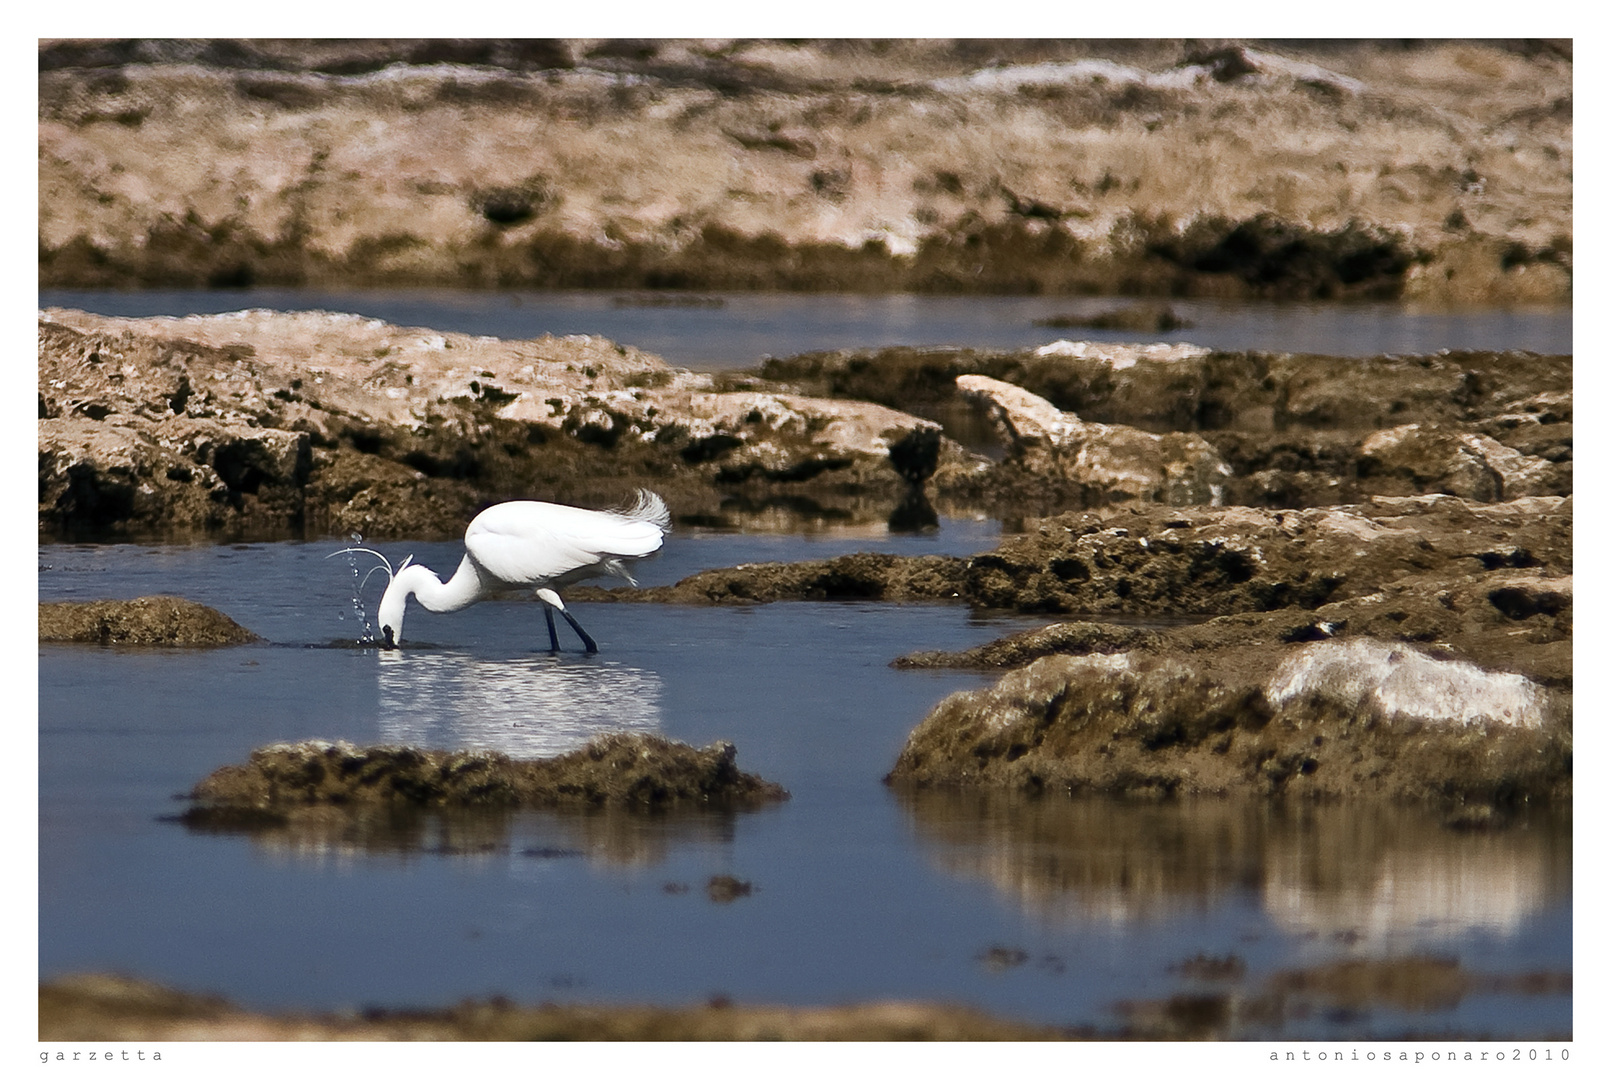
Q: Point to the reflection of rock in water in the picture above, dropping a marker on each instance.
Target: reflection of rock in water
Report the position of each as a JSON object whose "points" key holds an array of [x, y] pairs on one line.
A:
{"points": [[527, 707], [1387, 880], [1373, 874], [1090, 859], [522, 841]]}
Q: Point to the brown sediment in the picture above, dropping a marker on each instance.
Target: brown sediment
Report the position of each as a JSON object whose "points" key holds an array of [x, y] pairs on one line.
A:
{"points": [[103, 1007], [109, 1007], [944, 166], [286, 781], [1413, 985], [148, 620]]}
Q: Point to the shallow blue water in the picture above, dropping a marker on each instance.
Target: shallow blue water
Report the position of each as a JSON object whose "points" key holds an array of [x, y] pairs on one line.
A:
{"points": [[747, 327], [859, 892]]}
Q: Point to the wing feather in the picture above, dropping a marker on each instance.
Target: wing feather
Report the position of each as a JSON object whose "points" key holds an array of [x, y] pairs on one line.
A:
{"points": [[533, 543]]}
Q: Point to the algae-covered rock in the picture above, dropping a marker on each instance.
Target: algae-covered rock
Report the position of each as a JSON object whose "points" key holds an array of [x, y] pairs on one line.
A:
{"points": [[149, 620], [1332, 719], [637, 772]]}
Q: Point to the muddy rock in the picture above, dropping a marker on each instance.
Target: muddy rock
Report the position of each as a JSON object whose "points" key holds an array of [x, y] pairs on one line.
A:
{"points": [[1471, 466], [1136, 560], [1506, 622], [1109, 463], [1293, 430], [260, 422], [1016, 650], [1181, 387], [863, 576], [947, 166], [1326, 720], [1486, 583], [637, 772], [149, 620]]}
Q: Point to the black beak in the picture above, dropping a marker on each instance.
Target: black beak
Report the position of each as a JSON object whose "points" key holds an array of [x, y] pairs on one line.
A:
{"points": [[387, 642]]}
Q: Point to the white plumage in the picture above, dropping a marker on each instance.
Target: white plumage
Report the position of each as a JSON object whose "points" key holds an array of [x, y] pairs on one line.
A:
{"points": [[533, 545]]}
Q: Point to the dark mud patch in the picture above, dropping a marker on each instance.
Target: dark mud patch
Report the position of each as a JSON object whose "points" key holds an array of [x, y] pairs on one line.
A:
{"points": [[635, 772], [1141, 318], [149, 620], [101, 1008], [1016, 650], [862, 576], [725, 888]]}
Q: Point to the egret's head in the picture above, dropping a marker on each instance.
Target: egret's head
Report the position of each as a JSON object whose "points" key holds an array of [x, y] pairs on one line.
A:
{"points": [[392, 604]]}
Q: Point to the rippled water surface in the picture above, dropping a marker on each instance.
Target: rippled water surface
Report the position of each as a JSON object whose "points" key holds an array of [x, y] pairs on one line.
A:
{"points": [[728, 330], [1049, 910]]}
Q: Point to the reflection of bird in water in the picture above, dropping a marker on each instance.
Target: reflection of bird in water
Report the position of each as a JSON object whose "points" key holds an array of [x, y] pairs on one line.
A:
{"points": [[526, 707], [535, 545]]}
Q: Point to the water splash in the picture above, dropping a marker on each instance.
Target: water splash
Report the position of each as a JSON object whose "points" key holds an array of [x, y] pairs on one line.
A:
{"points": [[367, 637]]}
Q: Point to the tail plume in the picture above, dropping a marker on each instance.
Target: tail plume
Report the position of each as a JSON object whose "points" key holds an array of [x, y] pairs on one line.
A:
{"points": [[649, 507]]}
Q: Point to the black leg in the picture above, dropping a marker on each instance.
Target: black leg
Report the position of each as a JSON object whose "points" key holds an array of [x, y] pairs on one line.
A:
{"points": [[553, 638], [592, 646]]}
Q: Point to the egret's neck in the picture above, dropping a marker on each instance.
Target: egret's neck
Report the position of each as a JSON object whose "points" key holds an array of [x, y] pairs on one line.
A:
{"points": [[461, 590]]}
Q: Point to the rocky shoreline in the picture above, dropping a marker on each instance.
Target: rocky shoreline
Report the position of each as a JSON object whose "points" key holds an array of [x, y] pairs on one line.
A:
{"points": [[269, 424], [1435, 171], [1220, 1002], [1260, 496]]}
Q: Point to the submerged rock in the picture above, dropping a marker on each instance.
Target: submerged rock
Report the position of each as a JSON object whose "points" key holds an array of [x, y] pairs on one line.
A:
{"points": [[1336, 719], [637, 772], [149, 620]]}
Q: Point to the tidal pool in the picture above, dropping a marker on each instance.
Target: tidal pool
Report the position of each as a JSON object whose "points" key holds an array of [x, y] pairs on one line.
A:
{"points": [[735, 330], [1048, 910]]}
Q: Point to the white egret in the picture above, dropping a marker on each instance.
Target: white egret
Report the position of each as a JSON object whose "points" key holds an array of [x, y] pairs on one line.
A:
{"points": [[532, 545]]}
